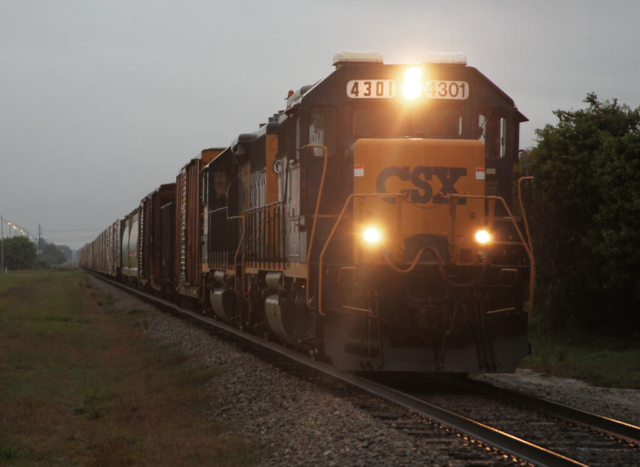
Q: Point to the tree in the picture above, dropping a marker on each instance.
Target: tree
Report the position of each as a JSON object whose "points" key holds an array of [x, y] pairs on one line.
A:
{"points": [[586, 218], [68, 252], [19, 253], [51, 255]]}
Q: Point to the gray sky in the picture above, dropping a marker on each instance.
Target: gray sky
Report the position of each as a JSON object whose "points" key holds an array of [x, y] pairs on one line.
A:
{"points": [[95, 93]]}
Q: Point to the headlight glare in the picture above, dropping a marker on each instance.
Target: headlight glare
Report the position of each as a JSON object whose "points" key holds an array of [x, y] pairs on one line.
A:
{"points": [[413, 75], [412, 87], [482, 236], [371, 235]]}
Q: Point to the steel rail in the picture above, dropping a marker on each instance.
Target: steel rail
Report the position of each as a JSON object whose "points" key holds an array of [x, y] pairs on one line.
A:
{"points": [[503, 441], [609, 426]]}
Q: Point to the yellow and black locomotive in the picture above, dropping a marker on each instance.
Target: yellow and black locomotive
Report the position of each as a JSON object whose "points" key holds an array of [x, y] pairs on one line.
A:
{"points": [[368, 224]]}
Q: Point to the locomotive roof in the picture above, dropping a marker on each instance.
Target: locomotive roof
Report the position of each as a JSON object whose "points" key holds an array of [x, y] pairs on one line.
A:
{"points": [[353, 70]]}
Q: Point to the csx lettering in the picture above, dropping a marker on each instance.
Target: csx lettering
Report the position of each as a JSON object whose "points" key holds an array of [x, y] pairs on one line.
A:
{"points": [[420, 177]]}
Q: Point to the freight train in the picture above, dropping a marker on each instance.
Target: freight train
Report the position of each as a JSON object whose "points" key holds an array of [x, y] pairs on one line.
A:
{"points": [[368, 224]]}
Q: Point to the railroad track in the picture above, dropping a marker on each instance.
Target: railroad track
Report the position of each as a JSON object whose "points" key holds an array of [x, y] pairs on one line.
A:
{"points": [[605, 425], [615, 443], [583, 437]]}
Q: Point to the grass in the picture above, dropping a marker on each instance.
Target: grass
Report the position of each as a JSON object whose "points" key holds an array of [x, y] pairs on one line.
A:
{"points": [[600, 361], [80, 384]]}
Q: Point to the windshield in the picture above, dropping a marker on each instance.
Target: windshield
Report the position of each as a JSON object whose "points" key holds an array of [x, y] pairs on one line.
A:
{"points": [[416, 123]]}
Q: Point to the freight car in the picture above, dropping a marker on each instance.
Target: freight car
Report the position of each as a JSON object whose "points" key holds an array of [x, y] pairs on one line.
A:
{"points": [[155, 248], [189, 220], [367, 224]]}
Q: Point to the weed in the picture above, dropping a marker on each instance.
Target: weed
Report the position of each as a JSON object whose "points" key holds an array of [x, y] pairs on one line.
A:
{"points": [[78, 410], [136, 311], [8, 453], [197, 375], [95, 414], [109, 300]]}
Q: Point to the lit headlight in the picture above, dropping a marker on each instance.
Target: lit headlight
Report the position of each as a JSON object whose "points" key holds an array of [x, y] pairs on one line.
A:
{"points": [[371, 235], [412, 86], [411, 90], [482, 236]]}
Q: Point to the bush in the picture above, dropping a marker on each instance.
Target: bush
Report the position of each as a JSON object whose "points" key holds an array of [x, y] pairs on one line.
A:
{"points": [[586, 218]]}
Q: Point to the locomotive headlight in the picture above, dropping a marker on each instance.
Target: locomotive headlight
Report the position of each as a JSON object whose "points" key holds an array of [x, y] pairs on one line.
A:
{"points": [[371, 235], [482, 236], [411, 90], [412, 86]]}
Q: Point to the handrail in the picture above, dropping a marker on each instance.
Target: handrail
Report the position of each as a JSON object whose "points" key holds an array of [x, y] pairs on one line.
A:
{"points": [[335, 226], [235, 258], [526, 226], [251, 241], [532, 274], [315, 217], [258, 208], [524, 217], [264, 243]]}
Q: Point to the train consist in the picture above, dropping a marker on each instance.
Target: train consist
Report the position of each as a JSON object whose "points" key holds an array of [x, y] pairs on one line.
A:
{"points": [[368, 224]]}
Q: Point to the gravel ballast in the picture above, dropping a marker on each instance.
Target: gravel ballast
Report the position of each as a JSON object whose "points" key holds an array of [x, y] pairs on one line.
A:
{"points": [[308, 420]]}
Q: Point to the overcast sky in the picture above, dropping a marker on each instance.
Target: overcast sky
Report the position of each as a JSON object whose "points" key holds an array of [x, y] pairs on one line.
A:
{"points": [[94, 94]]}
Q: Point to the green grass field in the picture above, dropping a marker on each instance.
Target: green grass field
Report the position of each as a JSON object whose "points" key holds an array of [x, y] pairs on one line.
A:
{"points": [[80, 384]]}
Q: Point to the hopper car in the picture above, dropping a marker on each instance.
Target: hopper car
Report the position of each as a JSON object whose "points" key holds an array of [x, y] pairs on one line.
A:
{"points": [[368, 224]]}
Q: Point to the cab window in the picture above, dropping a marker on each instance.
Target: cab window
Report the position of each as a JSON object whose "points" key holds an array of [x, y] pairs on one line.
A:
{"points": [[443, 123], [377, 123], [437, 123], [323, 129], [492, 131]]}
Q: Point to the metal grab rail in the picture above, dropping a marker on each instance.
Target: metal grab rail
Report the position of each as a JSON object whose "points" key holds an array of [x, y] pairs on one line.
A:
{"points": [[315, 217], [399, 196], [526, 226], [266, 224], [524, 243], [223, 240], [524, 217]]}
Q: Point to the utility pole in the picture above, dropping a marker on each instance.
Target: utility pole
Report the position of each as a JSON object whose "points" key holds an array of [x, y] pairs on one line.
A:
{"points": [[2, 236], [39, 232]]}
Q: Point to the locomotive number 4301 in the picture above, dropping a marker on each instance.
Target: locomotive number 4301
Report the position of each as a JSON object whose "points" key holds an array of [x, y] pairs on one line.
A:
{"points": [[446, 90], [371, 88]]}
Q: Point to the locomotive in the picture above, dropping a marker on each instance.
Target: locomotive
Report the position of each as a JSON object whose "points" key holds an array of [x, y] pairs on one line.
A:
{"points": [[368, 224]]}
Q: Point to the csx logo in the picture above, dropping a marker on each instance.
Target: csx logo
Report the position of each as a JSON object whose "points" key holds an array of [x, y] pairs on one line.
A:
{"points": [[420, 177]]}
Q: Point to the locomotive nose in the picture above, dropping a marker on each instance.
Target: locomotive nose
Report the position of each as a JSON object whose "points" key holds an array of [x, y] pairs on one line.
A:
{"points": [[427, 171]]}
